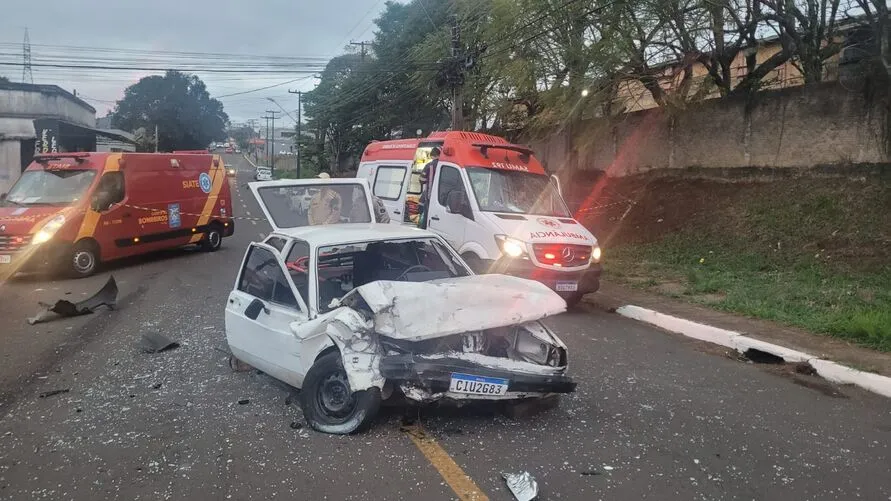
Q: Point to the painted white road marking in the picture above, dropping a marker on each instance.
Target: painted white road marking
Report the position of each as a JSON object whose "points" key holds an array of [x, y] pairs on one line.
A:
{"points": [[253, 222]]}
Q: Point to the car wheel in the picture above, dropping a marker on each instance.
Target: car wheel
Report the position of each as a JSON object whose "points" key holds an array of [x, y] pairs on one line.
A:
{"points": [[478, 265], [213, 239], [572, 300], [328, 403], [82, 260]]}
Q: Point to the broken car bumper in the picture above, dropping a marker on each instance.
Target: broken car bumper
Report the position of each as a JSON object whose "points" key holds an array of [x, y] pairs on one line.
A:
{"points": [[434, 374]]}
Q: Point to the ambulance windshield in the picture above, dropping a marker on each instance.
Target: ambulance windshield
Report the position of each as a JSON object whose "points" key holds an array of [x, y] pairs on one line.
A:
{"points": [[516, 192], [50, 187]]}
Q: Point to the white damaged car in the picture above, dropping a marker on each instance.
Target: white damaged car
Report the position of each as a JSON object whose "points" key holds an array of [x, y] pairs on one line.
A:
{"points": [[357, 312]]}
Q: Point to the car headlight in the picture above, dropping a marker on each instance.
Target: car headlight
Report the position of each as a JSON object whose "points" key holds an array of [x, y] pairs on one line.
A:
{"points": [[49, 229], [510, 246], [595, 254]]}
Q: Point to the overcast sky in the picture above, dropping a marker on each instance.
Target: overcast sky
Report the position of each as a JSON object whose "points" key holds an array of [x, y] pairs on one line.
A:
{"points": [[291, 28]]}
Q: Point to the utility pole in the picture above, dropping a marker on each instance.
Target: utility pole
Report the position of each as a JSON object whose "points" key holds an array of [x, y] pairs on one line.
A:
{"points": [[299, 118], [266, 141], [252, 123], [457, 76], [272, 145], [156, 138], [362, 44]]}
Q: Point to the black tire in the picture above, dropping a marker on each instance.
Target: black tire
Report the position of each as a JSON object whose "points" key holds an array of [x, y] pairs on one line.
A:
{"points": [[82, 260], [327, 402], [213, 239], [573, 300], [477, 264]]}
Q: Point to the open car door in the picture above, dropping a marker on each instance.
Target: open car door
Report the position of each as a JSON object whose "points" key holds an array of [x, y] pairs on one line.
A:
{"points": [[334, 201]]}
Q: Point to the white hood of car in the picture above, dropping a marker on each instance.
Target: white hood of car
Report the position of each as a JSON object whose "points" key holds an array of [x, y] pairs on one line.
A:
{"points": [[543, 230], [415, 311]]}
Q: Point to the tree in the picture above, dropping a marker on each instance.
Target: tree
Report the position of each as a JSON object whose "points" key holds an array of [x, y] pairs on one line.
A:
{"points": [[4, 80], [878, 18], [242, 136], [178, 105]]}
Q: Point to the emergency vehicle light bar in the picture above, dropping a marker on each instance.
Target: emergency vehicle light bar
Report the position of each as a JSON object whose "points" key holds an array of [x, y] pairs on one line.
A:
{"points": [[43, 157], [524, 151]]}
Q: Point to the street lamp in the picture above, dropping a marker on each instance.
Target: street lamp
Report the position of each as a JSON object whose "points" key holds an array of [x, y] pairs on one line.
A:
{"points": [[585, 92]]}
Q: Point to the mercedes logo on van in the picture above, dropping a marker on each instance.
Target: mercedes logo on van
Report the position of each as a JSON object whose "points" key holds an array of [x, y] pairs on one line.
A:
{"points": [[567, 254], [548, 222]]}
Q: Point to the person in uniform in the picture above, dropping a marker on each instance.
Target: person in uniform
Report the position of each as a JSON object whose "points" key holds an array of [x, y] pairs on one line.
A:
{"points": [[326, 205], [427, 175]]}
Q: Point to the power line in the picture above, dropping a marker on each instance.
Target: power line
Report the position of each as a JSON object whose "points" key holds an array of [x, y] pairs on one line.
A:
{"points": [[263, 88]]}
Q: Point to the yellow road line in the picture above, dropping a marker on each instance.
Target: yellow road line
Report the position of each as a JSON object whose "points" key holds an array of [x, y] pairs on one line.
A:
{"points": [[462, 484]]}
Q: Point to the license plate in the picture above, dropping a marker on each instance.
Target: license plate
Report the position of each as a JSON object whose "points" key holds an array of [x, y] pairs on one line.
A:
{"points": [[477, 385], [567, 286], [5, 259]]}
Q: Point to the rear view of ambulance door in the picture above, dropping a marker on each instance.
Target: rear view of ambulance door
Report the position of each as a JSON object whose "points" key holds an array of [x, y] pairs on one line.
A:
{"points": [[389, 184]]}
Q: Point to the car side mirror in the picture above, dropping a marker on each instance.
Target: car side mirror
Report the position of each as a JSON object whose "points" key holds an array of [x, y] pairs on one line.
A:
{"points": [[253, 310], [457, 203]]}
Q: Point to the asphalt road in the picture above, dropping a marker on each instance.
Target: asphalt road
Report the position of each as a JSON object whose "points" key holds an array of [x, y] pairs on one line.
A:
{"points": [[655, 416]]}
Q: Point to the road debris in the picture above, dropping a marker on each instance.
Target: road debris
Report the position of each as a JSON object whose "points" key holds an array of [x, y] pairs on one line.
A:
{"points": [[107, 296], [295, 425], [590, 473], [244, 401], [521, 485], [154, 342], [54, 392]]}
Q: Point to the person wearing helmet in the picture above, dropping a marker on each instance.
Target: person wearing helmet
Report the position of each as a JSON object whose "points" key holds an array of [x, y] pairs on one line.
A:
{"points": [[326, 205]]}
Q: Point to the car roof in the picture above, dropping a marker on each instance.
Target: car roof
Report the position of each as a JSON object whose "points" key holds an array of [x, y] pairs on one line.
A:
{"points": [[329, 234]]}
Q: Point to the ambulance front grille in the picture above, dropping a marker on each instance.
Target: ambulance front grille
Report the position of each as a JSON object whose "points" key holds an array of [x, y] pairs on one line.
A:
{"points": [[13, 243]]}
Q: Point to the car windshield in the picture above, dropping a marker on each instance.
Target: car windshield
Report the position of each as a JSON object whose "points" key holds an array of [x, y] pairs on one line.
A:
{"points": [[50, 187], [328, 204], [341, 268], [516, 192]]}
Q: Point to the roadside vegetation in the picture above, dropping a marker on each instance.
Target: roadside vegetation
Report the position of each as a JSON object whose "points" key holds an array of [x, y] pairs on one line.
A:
{"points": [[813, 253]]}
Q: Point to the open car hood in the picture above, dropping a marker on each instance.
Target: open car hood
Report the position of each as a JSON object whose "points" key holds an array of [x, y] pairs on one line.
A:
{"points": [[415, 311]]}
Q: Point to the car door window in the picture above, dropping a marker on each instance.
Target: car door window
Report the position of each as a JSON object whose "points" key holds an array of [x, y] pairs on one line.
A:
{"points": [[109, 191], [388, 182], [263, 278], [449, 181], [276, 242], [297, 264]]}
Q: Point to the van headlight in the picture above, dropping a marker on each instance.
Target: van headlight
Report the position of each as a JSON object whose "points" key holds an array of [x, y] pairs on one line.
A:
{"points": [[510, 246], [49, 229], [595, 254]]}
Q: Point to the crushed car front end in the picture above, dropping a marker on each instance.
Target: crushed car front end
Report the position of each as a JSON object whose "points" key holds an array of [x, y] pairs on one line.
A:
{"points": [[516, 362], [470, 338]]}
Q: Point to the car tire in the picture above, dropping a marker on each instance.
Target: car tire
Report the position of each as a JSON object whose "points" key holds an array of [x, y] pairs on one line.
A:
{"points": [[573, 300], [213, 239], [478, 265], [329, 405], [83, 260]]}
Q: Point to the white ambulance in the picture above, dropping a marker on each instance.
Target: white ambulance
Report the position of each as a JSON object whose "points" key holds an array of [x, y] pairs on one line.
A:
{"points": [[493, 202]]}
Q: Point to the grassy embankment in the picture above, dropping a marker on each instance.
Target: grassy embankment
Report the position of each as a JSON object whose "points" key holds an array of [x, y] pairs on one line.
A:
{"points": [[813, 253]]}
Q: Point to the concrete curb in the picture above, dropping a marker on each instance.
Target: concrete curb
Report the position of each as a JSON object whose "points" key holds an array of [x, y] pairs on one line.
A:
{"points": [[831, 371]]}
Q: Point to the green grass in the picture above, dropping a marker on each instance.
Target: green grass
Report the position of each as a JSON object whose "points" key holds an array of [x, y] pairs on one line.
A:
{"points": [[794, 288]]}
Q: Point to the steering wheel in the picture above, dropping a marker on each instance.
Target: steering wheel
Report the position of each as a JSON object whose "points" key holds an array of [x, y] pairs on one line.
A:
{"points": [[415, 267]]}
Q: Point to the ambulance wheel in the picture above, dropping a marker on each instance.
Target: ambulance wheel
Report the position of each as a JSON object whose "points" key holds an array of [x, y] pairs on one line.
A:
{"points": [[572, 300], [213, 239], [82, 260], [328, 403]]}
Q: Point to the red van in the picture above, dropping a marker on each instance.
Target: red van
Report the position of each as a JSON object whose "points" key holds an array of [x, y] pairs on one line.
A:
{"points": [[75, 210]]}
